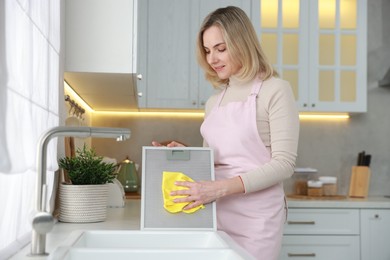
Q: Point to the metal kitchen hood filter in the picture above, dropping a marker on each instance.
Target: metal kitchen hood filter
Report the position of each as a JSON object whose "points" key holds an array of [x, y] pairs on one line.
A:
{"points": [[196, 163]]}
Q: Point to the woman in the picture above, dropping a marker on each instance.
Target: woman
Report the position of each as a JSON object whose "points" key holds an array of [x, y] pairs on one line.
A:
{"points": [[253, 127]]}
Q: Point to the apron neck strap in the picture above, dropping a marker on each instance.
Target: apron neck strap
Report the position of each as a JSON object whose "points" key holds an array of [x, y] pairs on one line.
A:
{"points": [[256, 88], [221, 96], [254, 92]]}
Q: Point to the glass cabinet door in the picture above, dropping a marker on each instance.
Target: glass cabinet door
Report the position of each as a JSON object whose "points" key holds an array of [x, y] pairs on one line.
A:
{"points": [[337, 68], [314, 45], [284, 38]]}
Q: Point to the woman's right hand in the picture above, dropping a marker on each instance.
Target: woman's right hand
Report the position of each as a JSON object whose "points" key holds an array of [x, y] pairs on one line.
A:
{"points": [[168, 144]]}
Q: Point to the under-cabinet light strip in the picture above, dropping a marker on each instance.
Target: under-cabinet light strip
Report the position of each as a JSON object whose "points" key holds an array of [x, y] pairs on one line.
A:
{"points": [[338, 116], [76, 96], [201, 115], [152, 113], [302, 116]]}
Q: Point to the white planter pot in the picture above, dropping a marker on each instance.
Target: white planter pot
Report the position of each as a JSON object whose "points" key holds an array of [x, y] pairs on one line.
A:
{"points": [[83, 203]]}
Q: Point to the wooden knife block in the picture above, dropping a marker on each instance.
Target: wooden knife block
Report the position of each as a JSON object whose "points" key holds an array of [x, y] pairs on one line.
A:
{"points": [[360, 182]]}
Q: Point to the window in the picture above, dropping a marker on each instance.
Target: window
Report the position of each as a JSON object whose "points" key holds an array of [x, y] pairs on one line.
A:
{"points": [[29, 105]]}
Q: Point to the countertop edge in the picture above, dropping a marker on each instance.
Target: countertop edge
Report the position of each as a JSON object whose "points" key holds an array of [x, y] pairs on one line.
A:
{"points": [[356, 203]]}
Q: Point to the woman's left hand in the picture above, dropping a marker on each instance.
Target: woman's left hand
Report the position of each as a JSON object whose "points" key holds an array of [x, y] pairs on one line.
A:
{"points": [[199, 193]]}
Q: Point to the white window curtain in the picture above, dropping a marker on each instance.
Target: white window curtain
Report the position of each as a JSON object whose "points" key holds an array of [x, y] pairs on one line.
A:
{"points": [[29, 106]]}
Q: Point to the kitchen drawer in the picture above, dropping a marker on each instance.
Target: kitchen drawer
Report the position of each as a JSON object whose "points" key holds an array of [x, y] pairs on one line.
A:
{"points": [[320, 247], [322, 222]]}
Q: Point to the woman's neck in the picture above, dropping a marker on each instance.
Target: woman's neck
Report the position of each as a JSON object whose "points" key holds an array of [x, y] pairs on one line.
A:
{"points": [[235, 82]]}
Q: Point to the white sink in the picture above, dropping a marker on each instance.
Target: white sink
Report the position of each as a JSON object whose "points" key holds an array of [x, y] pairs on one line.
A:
{"points": [[126, 244], [153, 254], [150, 239]]}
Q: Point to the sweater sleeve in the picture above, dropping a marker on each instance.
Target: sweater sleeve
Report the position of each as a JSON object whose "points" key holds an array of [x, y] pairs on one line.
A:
{"points": [[278, 126]]}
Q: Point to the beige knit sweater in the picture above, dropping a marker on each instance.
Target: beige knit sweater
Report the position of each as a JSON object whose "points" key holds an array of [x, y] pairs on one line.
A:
{"points": [[278, 126]]}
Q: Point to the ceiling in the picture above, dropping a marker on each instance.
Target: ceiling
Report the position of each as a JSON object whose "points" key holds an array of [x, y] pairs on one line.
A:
{"points": [[105, 91]]}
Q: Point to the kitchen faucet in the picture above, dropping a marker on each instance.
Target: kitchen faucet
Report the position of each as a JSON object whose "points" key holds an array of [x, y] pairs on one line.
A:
{"points": [[43, 220]]}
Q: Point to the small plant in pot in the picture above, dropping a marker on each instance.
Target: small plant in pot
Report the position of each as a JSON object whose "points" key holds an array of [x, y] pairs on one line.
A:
{"points": [[85, 198]]}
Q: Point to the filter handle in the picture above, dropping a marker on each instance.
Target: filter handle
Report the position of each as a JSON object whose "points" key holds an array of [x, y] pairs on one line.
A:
{"points": [[182, 155]]}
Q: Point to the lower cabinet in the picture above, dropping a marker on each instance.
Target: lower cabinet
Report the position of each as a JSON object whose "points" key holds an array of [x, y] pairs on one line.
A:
{"points": [[321, 234], [375, 234], [336, 234], [320, 247]]}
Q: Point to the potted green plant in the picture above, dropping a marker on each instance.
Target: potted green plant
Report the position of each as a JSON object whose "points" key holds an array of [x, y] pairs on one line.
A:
{"points": [[85, 198]]}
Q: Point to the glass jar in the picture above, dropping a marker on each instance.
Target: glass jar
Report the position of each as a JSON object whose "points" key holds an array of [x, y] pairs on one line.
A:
{"points": [[314, 188], [329, 185], [300, 177]]}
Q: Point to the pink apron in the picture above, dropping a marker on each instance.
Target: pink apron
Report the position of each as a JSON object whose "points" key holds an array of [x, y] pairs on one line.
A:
{"points": [[254, 220]]}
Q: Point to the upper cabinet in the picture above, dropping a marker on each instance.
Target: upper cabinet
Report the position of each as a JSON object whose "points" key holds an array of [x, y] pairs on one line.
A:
{"points": [[100, 36], [126, 54], [101, 53], [169, 73], [320, 48], [171, 76]]}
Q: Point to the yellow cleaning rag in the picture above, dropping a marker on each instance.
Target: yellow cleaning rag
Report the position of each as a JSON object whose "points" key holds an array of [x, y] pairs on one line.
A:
{"points": [[168, 185]]}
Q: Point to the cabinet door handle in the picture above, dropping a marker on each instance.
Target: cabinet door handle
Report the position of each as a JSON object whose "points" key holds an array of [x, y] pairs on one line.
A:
{"points": [[139, 76], [301, 255], [301, 222], [139, 94]]}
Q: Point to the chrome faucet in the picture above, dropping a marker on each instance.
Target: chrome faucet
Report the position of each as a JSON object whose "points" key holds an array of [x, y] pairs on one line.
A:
{"points": [[43, 220]]}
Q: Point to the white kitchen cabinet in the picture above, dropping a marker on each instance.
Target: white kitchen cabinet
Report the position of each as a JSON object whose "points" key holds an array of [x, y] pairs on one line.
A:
{"points": [[337, 229], [171, 76], [101, 52], [320, 247], [320, 48], [375, 234], [321, 234], [100, 36], [166, 46]]}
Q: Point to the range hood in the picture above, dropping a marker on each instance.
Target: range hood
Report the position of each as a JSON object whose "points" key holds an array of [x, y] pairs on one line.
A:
{"points": [[105, 91]]}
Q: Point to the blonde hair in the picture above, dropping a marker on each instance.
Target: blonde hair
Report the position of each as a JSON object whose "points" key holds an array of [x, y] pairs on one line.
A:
{"points": [[241, 42]]}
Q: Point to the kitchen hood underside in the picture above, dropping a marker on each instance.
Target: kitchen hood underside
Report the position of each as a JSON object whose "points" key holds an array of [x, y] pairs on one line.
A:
{"points": [[105, 91]]}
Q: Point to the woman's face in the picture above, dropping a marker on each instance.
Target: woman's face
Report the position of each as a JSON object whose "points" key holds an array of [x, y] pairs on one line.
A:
{"points": [[217, 55]]}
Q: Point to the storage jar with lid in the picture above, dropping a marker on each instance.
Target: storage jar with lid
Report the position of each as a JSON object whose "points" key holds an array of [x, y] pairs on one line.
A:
{"points": [[329, 185], [314, 188], [300, 177]]}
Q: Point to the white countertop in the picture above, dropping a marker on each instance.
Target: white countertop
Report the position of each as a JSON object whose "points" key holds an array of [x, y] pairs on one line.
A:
{"points": [[128, 218]]}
